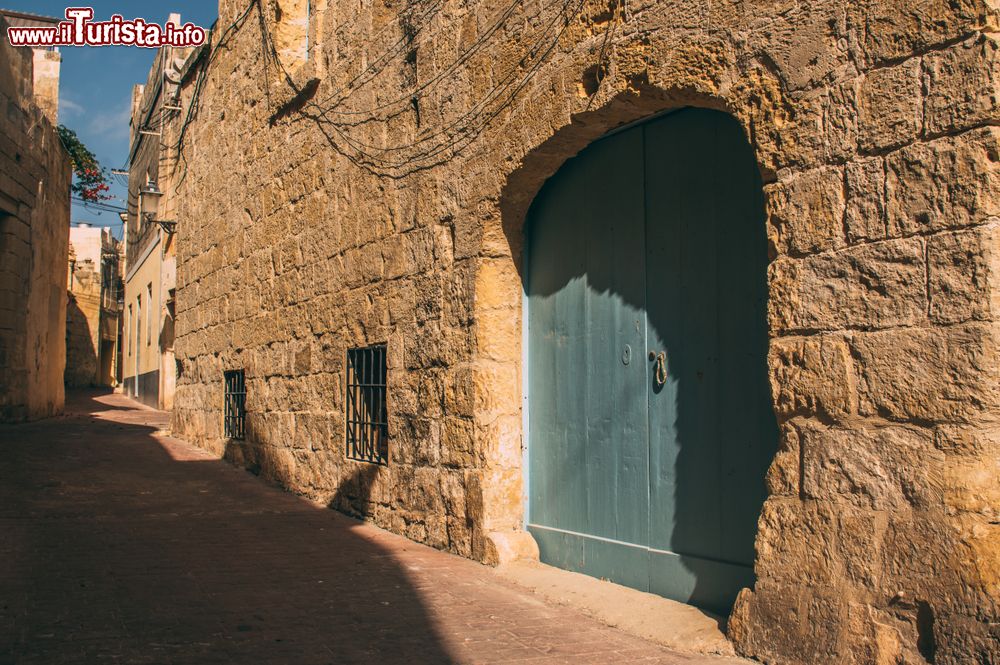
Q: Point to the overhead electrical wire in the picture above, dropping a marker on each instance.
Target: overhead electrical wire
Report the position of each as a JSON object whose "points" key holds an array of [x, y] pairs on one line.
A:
{"points": [[338, 120], [462, 130], [417, 92], [213, 50], [378, 65], [97, 205], [102, 223]]}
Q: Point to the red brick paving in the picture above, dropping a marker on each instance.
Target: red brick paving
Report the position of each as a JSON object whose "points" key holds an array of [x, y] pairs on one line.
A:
{"points": [[118, 545]]}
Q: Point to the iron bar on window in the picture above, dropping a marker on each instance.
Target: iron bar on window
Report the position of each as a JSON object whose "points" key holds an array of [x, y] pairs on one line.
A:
{"points": [[235, 414], [367, 430]]}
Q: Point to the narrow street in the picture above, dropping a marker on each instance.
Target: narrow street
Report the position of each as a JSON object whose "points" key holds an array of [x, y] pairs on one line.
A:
{"points": [[122, 545]]}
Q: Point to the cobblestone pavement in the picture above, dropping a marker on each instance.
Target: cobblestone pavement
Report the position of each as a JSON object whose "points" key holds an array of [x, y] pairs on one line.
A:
{"points": [[121, 545]]}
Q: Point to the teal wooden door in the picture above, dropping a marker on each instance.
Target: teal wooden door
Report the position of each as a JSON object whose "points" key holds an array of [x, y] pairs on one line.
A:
{"points": [[650, 241], [590, 496]]}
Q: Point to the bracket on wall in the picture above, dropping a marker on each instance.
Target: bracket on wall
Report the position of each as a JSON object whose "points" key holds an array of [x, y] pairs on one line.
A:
{"points": [[168, 226]]}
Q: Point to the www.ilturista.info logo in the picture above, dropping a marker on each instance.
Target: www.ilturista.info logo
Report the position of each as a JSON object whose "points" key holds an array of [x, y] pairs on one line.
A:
{"points": [[79, 30]]}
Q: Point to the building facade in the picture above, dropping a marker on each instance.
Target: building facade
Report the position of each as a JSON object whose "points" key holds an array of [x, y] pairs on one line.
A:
{"points": [[148, 364], [34, 234], [94, 308], [694, 297]]}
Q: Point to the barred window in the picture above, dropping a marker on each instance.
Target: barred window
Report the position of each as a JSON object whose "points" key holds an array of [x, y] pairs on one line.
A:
{"points": [[235, 414], [367, 422]]}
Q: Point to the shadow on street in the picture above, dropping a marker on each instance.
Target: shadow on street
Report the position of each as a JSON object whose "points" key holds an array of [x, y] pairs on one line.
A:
{"points": [[118, 547], [119, 544]]}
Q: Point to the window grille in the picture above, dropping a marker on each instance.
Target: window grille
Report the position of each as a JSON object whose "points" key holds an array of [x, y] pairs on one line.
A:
{"points": [[367, 421], [235, 415]]}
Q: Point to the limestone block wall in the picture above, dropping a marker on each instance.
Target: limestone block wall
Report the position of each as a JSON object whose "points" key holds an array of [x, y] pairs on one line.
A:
{"points": [[374, 191], [83, 316], [46, 82], [34, 237], [83, 308]]}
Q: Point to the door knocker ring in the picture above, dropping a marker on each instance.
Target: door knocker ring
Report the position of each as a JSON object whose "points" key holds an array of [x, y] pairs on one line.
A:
{"points": [[660, 369]]}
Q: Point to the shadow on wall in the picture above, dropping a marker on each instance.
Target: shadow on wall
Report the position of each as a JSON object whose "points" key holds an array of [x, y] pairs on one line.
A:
{"points": [[165, 341], [353, 496], [81, 357], [354, 492], [702, 292], [175, 557]]}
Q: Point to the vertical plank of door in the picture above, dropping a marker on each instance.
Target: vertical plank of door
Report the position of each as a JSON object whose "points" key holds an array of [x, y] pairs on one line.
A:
{"points": [[556, 321], [682, 198], [616, 409], [587, 417]]}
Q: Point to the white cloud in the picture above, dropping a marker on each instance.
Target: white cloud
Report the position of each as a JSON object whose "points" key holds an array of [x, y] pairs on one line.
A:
{"points": [[67, 107], [112, 125]]}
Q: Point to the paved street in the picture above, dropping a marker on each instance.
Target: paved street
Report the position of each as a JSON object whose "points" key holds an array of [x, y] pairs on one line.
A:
{"points": [[120, 545]]}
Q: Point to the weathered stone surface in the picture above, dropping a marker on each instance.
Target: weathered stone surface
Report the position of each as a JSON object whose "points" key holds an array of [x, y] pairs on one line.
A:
{"points": [[812, 375], [871, 550], [960, 638], [976, 440], [920, 557], [876, 285], [805, 213], [791, 530], [818, 127], [964, 275], [784, 477], [890, 106], [947, 183], [884, 468], [963, 84], [890, 30], [35, 178], [861, 538], [774, 614], [864, 188], [972, 485], [946, 374]]}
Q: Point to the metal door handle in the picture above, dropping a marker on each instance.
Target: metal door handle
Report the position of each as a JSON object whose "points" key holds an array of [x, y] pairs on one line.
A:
{"points": [[659, 368]]}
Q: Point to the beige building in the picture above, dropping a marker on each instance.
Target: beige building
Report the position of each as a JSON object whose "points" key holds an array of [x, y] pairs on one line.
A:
{"points": [[148, 364], [517, 280], [34, 233], [46, 62], [93, 311]]}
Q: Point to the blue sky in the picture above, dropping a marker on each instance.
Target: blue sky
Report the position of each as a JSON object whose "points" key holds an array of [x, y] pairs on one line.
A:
{"points": [[95, 85]]}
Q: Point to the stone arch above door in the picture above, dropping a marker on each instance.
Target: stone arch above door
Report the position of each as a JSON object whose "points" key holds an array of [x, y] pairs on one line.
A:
{"points": [[756, 99], [872, 362]]}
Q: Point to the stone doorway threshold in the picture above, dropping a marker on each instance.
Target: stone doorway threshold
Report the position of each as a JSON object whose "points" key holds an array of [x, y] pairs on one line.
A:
{"points": [[677, 626]]}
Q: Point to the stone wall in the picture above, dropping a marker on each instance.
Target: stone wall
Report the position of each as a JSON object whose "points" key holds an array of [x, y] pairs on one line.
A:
{"points": [[374, 189], [83, 315], [46, 82], [34, 236], [88, 295]]}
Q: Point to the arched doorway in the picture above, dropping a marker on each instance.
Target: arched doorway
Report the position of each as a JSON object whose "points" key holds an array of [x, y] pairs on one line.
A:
{"points": [[649, 423]]}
